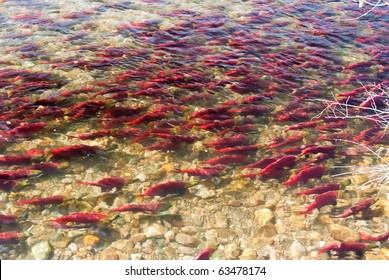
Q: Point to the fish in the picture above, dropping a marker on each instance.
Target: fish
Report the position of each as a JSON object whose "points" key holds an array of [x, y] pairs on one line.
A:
{"points": [[242, 150], [164, 189], [205, 254], [27, 158], [42, 201], [8, 219], [10, 237], [91, 218], [17, 174], [274, 169], [227, 159], [68, 152], [291, 139], [321, 200], [211, 171], [360, 206], [26, 130], [382, 237], [236, 140], [357, 247], [305, 173], [329, 149], [322, 189], [107, 183]]}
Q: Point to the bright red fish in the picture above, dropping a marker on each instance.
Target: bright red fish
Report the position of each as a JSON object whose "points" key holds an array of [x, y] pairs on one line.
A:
{"points": [[320, 201], [274, 169], [360, 206], [43, 201], [108, 183], [74, 151], [204, 254], [357, 247], [7, 219], [233, 141], [78, 217], [163, 189], [227, 160], [322, 189], [10, 237], [205, 171], [306, 173], [381, 237]]}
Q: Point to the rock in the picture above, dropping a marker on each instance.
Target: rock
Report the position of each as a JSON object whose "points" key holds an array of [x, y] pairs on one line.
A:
{"points": [[262, 216], [154, 231], [169, 236], [139, 237], [343, 234], [297, 250], [248, 254], [231, 252], [123, 245], [91, 240], [324, 219], [268, 230], [109, 254], [41, 250], [221, 220], [186, 251], [187, 240]]}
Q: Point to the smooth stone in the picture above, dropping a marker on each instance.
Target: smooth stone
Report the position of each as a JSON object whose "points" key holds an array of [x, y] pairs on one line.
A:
{"points": [[297, 250], [186, 251], [186, 239], [221, 220], [169, 236], [91, 240], [248, 254], [268, 230], [262, 216], [154, 231], [343, 234], [232, 252], [41, 250], [109, 254], [123, 245], [139, 237]]}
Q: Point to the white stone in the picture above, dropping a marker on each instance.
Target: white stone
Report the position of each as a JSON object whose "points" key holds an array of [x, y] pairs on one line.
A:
{"points": [[41, 250]]}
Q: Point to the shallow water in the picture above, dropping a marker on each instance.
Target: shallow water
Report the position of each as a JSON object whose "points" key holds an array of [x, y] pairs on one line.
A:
{"points": [[142, 74]]}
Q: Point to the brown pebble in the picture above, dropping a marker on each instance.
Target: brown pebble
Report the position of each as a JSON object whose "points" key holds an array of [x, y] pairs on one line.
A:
{"points": [[91, 240]]}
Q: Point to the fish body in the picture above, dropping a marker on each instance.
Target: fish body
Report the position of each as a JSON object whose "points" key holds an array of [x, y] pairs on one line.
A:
{"points": [[164, 189], [320, 201], [306, 173]]}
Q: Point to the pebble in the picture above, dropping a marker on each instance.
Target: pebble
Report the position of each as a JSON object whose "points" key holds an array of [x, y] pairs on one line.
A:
{"points": [[268, 230], [91, 240], [187, 240], [154, 231], [169, 235], [139, 237], [342, 233], [231, 252], [109, 254], [263, 216], [248, 254], [221, 220], [41, 250], [297, 250], [123, 245]]}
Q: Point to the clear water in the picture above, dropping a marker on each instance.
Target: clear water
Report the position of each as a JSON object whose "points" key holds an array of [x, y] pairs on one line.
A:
{"points": [[128, 67]]}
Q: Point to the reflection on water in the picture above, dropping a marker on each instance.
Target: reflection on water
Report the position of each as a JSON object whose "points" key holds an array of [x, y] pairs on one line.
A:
{"points": [[209, 107]]}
